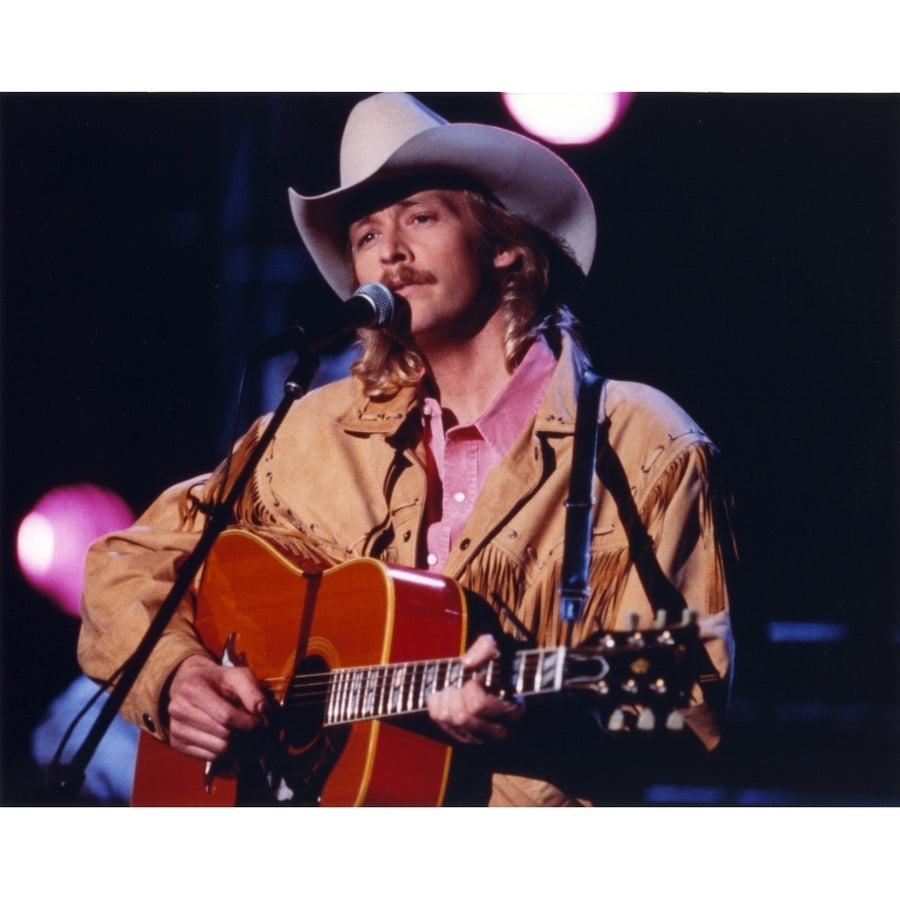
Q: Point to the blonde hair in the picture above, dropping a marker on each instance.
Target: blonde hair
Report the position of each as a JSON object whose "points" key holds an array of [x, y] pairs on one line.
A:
{"points": [[530, 290]]}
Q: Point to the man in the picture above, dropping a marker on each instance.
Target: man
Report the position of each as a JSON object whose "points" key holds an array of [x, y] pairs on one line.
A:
{"points": [[449, 449]]}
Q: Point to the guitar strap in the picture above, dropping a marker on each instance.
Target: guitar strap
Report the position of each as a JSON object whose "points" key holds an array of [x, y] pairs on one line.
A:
{"points": [[593, 452], [574, 589]]}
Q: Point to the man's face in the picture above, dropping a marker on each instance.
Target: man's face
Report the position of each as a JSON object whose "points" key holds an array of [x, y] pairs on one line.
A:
{"points": [[428, 249]]}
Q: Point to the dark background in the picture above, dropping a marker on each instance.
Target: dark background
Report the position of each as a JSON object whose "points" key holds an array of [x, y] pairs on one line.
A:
{"points": [[747, 265]]}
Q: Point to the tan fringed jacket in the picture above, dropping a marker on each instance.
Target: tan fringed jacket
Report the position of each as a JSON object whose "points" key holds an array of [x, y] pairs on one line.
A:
{"points": [[345, 477]]}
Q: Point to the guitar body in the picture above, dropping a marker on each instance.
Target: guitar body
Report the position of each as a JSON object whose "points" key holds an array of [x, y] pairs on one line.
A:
{"points": [[286, 620]]}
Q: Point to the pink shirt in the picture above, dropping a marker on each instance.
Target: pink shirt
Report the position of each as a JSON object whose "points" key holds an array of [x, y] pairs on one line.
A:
{"points": [[460, 458]]}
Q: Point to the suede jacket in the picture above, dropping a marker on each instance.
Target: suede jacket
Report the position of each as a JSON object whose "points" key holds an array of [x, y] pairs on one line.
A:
{"points": [[345, 477]]}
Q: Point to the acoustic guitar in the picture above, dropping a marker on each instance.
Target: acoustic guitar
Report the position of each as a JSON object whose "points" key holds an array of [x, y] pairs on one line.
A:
{"points": [[350, 655]]}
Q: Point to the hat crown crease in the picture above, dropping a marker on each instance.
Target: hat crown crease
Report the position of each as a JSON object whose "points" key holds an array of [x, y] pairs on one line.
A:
{"points": [[376, 128]]}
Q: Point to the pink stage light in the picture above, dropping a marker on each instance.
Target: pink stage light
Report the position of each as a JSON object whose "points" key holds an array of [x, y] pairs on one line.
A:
{"points": [[53, 538], [579, 118]]}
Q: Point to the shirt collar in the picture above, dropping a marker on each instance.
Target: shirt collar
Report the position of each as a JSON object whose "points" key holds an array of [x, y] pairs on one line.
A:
{"points": [[516, 404]]}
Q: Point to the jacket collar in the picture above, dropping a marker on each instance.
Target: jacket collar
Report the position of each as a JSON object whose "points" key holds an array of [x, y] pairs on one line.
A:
{"points": [[368, 416], [556, 414]]}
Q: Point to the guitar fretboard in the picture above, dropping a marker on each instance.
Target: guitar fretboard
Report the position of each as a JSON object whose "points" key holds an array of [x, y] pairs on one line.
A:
{"points": [[379, 692]]}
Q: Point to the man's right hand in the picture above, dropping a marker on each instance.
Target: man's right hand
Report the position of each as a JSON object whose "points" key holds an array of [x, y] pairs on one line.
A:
{"points": [[208, 703]]}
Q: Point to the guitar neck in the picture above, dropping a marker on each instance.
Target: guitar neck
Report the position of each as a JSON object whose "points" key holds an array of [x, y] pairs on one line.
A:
{"points": [[382, 692]]}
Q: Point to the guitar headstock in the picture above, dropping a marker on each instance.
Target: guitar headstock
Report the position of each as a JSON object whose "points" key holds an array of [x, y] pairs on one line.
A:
{"points": [[646, 674]]}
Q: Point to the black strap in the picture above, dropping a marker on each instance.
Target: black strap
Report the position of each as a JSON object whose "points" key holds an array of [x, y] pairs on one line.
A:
{"points": [[574, 588], [588, 456]]}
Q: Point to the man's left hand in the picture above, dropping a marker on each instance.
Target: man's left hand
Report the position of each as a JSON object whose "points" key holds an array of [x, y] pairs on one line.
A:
{"points": [[469, 714]]}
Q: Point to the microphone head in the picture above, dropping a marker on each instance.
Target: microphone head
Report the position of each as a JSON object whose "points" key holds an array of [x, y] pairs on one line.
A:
{"points": [[382, 299]]}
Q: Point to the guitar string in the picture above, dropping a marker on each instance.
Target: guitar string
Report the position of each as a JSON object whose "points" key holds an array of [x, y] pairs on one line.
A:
{"points": [[377, 685], [305, 690]]}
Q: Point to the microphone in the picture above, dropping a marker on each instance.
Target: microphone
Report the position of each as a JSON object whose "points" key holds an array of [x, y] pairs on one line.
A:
{"points": [[371, 306]]}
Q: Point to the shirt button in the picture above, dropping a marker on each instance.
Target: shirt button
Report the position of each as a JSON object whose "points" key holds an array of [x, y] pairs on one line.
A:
{"points": [[459, 496], [431, 559]]}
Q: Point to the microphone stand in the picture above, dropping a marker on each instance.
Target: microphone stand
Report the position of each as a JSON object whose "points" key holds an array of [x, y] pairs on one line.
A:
{"points": [[67, 779]]}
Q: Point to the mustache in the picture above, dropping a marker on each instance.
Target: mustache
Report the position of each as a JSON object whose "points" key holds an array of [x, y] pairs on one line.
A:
{"points": [[405, 274]]}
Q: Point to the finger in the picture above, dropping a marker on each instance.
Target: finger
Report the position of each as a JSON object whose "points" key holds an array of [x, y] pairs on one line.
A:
{"points": [[241, 687], [208, 705], [196, 742], [469, 714], [481, 651]]}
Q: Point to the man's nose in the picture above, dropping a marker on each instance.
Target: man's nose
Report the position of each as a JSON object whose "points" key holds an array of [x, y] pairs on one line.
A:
{"points": [[394, 247]]}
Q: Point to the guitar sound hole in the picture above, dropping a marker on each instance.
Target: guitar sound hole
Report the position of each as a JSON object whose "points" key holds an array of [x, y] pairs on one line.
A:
{"points": [[304, 709]]}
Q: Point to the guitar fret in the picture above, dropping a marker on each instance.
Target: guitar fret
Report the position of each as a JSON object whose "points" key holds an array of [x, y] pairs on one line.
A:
{"points": [[547, 677], [396, 689], [383, 693], [406, 691], [335, 710], [329, 702], [411, 681], [488, 672], [559, 673], [348, 696], [453, 673], [355, 693], [340, 681], [429, 674], [404, 688], [537, 670], [369, 693], [415, 689]]}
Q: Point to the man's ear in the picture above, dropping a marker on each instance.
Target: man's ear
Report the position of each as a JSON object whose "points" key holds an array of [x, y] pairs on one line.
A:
{"points": [[505, 257]]}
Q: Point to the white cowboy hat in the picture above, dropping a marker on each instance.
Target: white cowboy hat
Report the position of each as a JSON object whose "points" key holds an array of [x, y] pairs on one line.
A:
{"points": [[391, 136]]}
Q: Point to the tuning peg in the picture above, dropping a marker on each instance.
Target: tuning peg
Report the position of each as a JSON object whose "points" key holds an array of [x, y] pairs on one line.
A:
{"points": [[633, 619], [636, 640], [675, 720], [616, 721], [661, 619], [689, 617], [646, 720]]}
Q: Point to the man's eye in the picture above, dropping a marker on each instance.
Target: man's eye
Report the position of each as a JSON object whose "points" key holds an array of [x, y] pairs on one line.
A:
{"points": [[365, 238]]}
